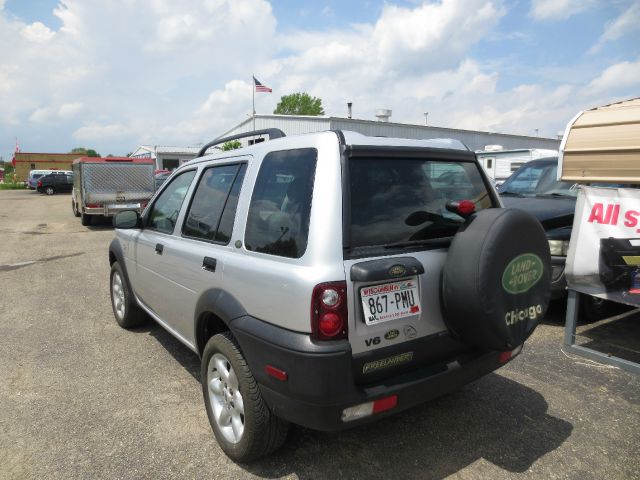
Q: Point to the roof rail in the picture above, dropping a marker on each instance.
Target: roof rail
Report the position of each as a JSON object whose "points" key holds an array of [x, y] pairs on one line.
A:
{"points": [[272, 132]]}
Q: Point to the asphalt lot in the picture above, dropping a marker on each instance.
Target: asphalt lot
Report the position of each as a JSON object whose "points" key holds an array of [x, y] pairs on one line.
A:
{"points": [[82, 398]]}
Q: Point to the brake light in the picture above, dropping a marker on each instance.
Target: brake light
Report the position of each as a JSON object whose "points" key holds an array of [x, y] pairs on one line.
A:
{"points": [[94, 205], [464, 208], [329, 313]]}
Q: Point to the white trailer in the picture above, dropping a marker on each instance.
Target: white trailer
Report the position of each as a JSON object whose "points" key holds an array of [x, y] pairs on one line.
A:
{"points": [[500, 164]]}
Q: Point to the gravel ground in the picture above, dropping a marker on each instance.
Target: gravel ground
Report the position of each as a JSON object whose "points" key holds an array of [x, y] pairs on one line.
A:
{"points": [[82, 398]]}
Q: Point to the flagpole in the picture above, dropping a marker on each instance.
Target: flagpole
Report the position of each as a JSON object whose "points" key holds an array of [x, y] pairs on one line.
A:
{"points": [[253, 100]]}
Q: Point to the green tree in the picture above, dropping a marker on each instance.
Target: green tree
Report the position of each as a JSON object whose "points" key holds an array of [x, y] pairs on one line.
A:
{"points": [[299, 104], [85, 152], [231, 145]]}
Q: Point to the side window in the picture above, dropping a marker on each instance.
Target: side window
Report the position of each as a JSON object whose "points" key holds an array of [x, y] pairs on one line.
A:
{"points": [[166, 208], [214, 200], [278, 219]]}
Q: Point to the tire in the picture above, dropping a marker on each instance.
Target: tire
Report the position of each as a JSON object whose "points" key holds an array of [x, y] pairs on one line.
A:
{"points": [[496, 279], [594, 308], [49, 190], [74, 208], [127, 313], [243, 424], [85, 219]]}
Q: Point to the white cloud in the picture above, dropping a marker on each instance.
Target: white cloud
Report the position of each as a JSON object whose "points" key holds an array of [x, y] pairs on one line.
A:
{"points": [[126, 67], [627, 22], [37, 33], [54, 113], [41, 115], [623, 75], [558, 9], [122, 73], [70, 110], [94, 132]]}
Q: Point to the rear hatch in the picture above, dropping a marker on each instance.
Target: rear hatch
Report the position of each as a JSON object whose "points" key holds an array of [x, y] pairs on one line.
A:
{"points": [[396, 235]]}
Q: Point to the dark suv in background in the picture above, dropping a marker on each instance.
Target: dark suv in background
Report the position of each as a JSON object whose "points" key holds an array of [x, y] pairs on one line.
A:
{"points": [[534, 188], [55, 183]]}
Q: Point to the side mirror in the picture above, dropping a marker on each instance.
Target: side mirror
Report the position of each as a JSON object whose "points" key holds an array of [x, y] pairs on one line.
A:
{"points": [[127, 219]]}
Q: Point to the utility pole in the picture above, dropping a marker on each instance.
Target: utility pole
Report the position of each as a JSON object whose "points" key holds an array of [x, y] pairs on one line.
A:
{"points": [[426, 118]]}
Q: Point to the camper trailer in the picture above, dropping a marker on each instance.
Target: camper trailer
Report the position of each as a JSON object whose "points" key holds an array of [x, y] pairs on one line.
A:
{"points": [[500, 164]]}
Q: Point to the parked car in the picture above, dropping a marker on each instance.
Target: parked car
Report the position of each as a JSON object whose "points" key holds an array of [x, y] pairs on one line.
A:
{"points": [[330, 279], [34, 175], [55, 183], [534, 187]]}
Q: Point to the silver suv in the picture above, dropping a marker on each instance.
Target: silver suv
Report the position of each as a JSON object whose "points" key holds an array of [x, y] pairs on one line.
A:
{"points": [[330, 279]]}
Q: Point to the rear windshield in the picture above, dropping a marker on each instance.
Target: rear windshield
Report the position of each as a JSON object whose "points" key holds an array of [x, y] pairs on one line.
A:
{"points": [[400, 201]]}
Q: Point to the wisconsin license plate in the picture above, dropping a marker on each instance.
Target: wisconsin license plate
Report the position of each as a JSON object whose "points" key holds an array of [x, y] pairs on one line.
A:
{"points": [[390, 301]]}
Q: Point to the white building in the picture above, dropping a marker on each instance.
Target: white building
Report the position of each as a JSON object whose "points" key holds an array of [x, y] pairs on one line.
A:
{"points": [[167, 158], [474, 140]]}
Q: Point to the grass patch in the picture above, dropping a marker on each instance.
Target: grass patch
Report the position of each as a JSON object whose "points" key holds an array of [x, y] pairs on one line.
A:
{"points": [[12, 186]]}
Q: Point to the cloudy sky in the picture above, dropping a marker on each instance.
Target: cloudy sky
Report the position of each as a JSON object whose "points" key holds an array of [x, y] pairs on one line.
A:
{"points": [[112, 75]]}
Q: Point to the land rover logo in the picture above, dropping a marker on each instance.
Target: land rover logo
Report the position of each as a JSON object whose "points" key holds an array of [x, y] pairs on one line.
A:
{"points": [[522, 273], [397, 271], [391, 334]]}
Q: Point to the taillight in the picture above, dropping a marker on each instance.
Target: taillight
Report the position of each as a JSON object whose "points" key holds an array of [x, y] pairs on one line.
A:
{"points": [[39, 183], [464, 208], [329, 312], [94, 205]]}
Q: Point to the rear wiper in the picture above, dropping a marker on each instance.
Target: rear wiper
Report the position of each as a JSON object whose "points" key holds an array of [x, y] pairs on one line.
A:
{"points": [[514, 194], [430, 242]]}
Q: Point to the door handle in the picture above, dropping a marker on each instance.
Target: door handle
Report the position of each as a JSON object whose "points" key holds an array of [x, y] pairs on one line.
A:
{"points": [[209, 264], [159, 248]]}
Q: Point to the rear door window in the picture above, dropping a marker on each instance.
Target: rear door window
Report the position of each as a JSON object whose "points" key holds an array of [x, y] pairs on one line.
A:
{"points": [[397, 201], [278, 219], [212, 210]]}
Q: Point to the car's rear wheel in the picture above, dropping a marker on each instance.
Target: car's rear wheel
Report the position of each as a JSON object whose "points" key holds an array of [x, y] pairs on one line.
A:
{"points": [[85, 219], [127, 313], [242, 422], [49, 190]]}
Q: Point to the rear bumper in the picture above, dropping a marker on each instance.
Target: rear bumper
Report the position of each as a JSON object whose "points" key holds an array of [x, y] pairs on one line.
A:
{"points": [[320, 378], [112, 209]]}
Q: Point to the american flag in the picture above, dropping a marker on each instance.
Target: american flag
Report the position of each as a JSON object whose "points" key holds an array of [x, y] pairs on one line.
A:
{"points": [[260, 87]]}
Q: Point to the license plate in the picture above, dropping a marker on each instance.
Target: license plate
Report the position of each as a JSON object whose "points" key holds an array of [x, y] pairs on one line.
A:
{"points": [[124, 206], [390, 301]]}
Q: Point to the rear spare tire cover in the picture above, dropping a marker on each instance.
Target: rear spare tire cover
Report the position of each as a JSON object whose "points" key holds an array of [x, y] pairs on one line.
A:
{"points": [[496, 279]]}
